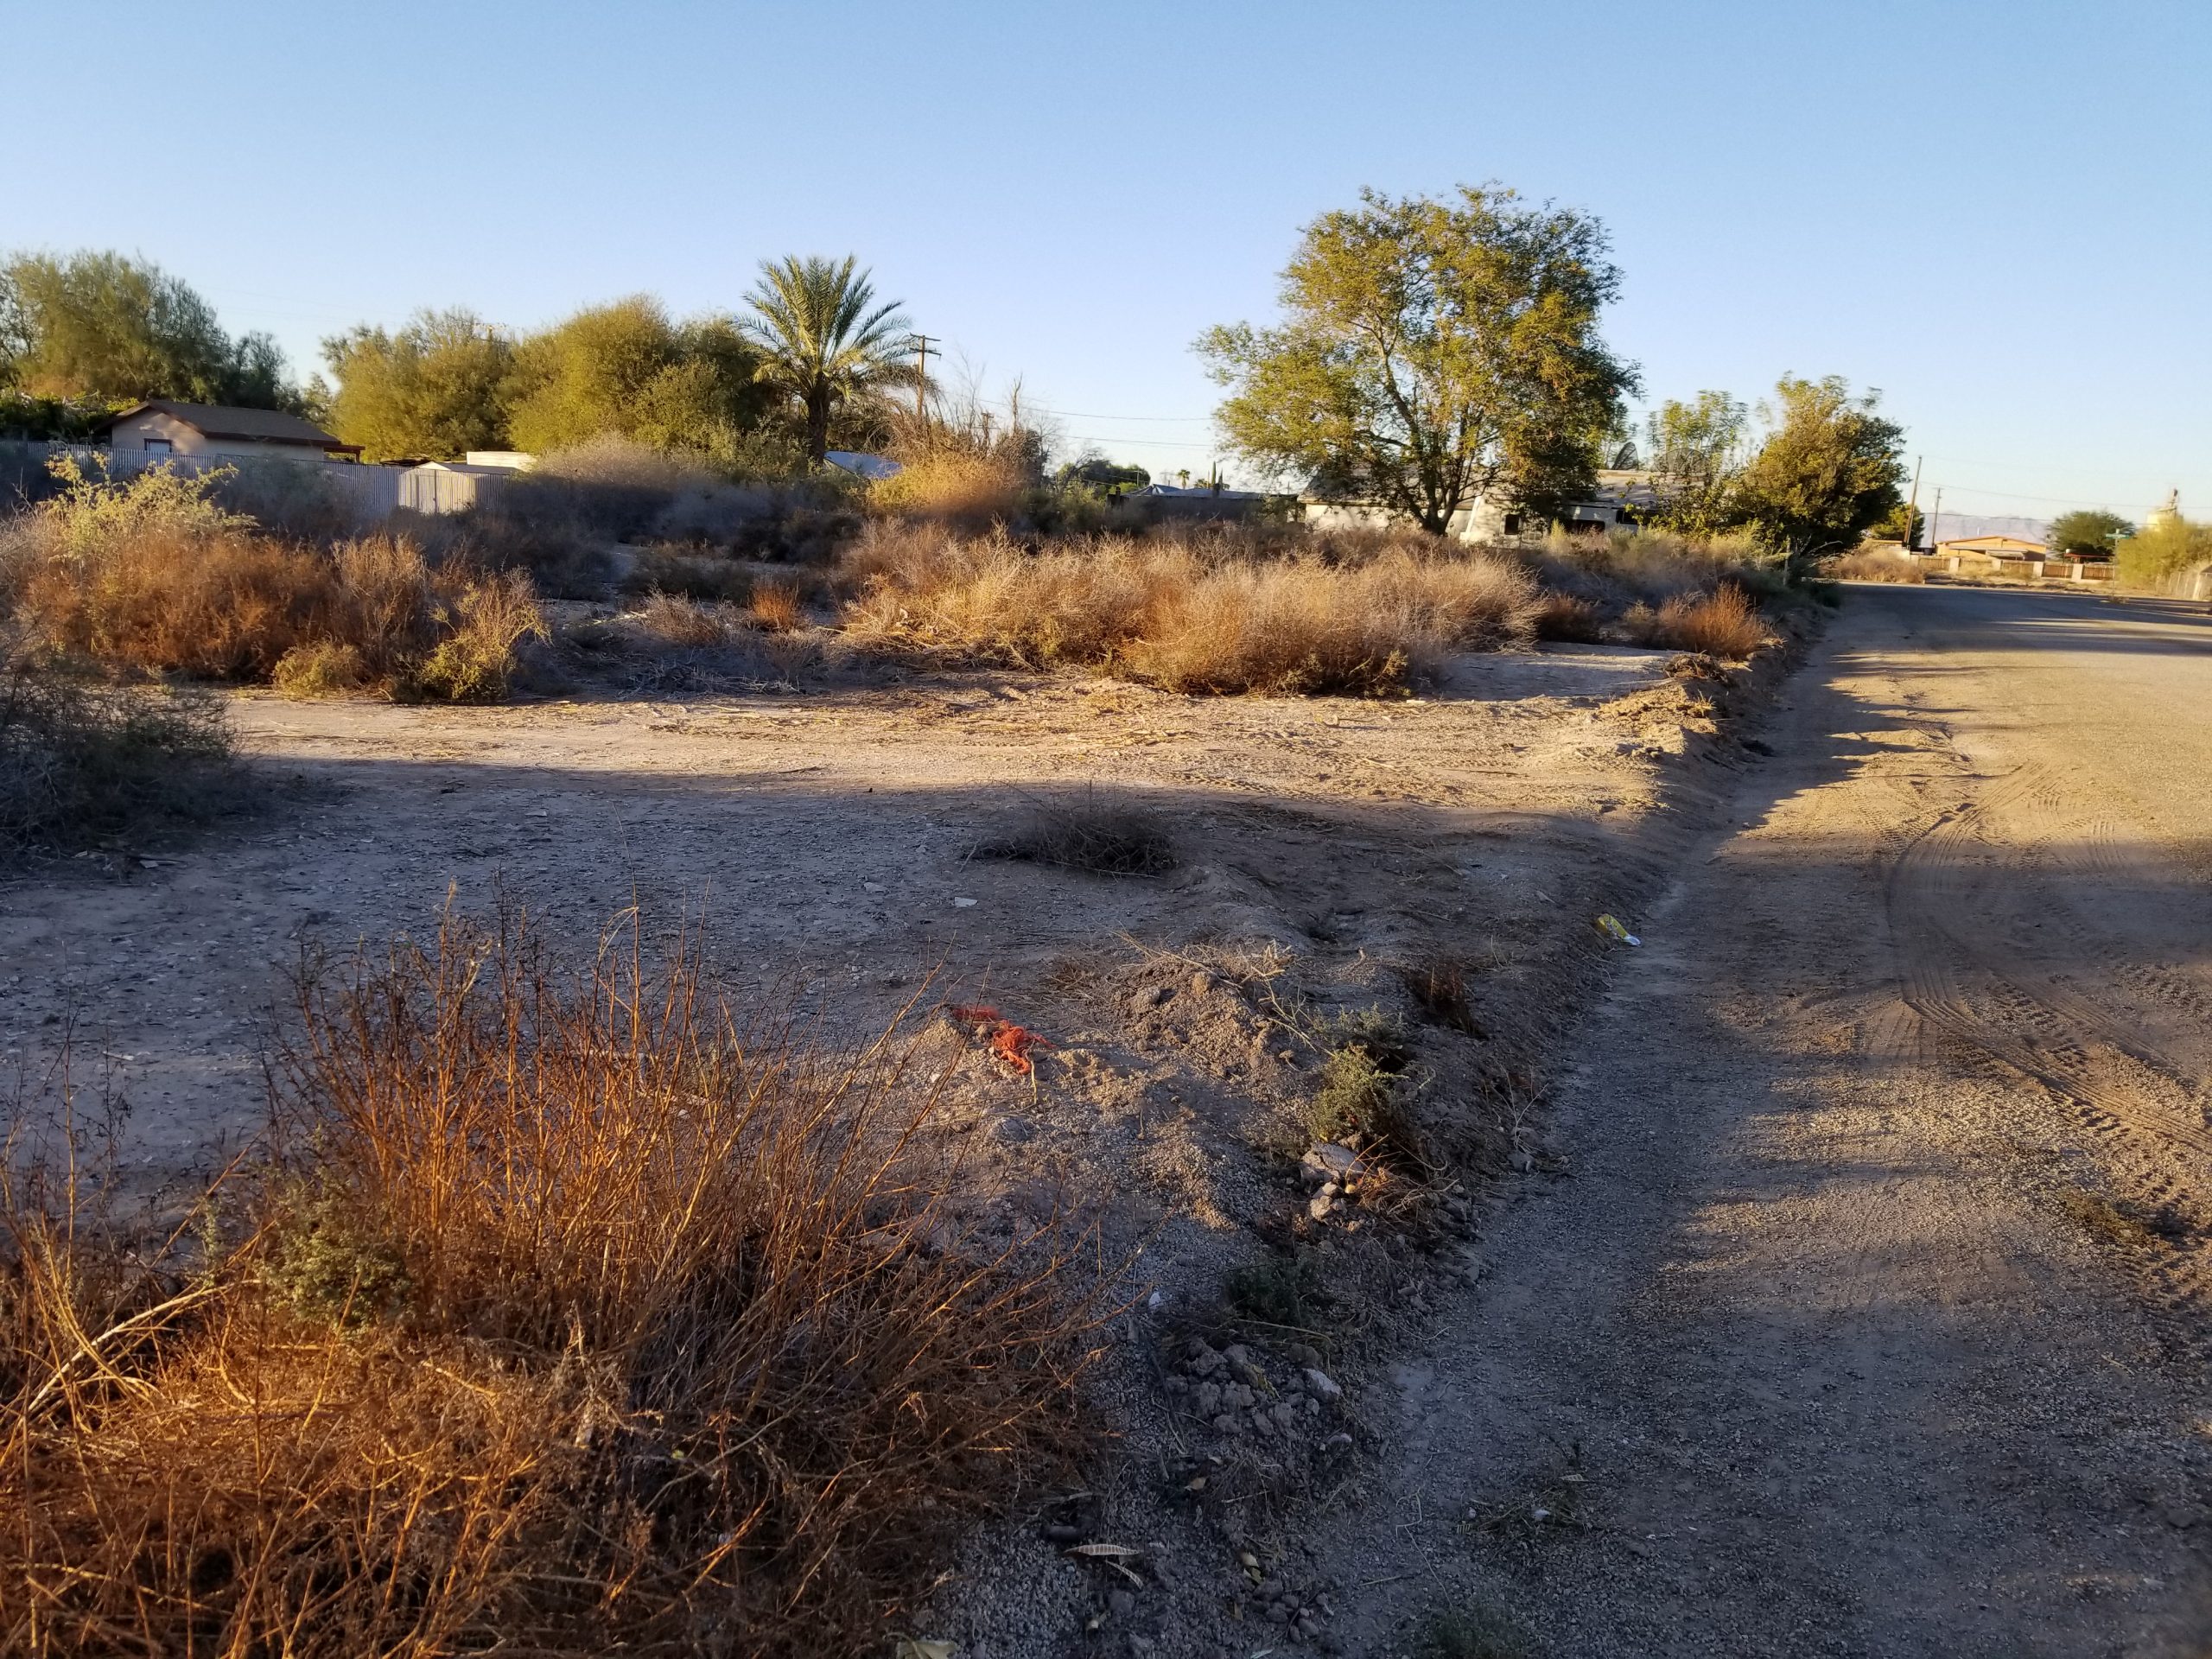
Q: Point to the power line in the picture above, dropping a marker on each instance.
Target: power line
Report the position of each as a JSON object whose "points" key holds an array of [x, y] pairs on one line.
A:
{"points": [[2044, 500]]}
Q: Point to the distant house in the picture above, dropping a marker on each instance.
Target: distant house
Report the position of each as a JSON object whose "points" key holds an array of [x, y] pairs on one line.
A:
{"points": [[1620, 500], [2001, 550], [163, 428], [2013, 558], [1199, 501]]}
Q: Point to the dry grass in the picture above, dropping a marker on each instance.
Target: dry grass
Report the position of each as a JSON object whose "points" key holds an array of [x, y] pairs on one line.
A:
{"points": [[775, 607], [1723, 623], [1877, 567], [1438, 985], [1099, 838], [952, 484], [82, 761], [1569, 617], [570, 1317], [1185, 614], [686, 624], [145, 576], [709, 576]]}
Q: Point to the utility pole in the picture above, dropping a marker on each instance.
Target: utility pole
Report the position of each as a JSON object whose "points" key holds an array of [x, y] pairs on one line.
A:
{"points": [[1912, 506], [922, 344], [1936, 521]]}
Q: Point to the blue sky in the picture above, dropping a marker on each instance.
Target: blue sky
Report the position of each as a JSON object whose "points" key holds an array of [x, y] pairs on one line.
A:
{"points": [[1998, 213]]}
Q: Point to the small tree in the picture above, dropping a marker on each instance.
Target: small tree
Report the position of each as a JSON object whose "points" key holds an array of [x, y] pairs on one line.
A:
{"points": [[1830, 470], [2087, 531], [1903, 525], [437, 388], [1431, 352], [625, 369], [825, 339], [1697, 451]]}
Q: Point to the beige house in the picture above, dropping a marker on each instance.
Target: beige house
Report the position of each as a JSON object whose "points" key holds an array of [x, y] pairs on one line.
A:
{"points": [[1992, 547], [161, 427], [2013, 557]]}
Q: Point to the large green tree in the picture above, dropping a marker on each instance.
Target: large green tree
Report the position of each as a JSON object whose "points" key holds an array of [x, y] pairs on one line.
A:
{"points": [[825, 341], [103, 326], [1431, 352], [1831, 469], [2087, 531], [437, 388], [627, 369]]}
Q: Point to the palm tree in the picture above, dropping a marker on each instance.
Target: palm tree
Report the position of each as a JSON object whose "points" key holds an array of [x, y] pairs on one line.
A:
{"points": [[825, 338]]}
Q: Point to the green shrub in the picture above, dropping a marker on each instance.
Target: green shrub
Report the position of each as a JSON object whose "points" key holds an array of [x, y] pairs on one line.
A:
{"points": [[1281, 1290], [2162, 550]]}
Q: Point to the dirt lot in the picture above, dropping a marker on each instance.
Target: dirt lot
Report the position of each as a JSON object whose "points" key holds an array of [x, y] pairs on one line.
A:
{"points": [[828, 842]]}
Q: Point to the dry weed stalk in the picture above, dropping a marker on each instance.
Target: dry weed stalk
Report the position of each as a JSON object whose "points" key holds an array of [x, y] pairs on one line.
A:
{"points": [[567, 1318]]}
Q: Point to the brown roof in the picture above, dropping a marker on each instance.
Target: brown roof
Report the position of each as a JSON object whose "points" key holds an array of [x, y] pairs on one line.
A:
{"points": [[221, 421]]}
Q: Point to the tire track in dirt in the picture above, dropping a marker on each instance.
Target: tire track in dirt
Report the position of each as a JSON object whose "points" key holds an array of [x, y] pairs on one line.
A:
{"points": [[1830, 1368], [1936, 929]]}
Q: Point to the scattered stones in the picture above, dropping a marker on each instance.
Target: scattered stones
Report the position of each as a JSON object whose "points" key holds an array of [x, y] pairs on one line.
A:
{"points": [[1323, 1385], [1332, 1163], [1010, 1131]]}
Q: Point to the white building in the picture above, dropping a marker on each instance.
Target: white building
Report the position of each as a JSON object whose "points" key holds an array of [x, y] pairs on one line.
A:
{"points": [[1619, 499]]}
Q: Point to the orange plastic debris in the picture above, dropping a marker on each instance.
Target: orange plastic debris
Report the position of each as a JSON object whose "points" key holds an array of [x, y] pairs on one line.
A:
{"points": [[1009, 1043]]}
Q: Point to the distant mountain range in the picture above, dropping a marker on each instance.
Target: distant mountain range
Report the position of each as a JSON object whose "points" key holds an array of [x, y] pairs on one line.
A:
{"points": [[1957, 526]]}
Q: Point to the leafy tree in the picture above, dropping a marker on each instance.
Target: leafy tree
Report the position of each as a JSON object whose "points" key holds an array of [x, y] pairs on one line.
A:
{"points": [[1093, 471], [826, 341], [1829, 471], [627, 369], [438, 387], [2087, 531], [101, 326], [1698, 446], [1903, 525], [1430, 352]]}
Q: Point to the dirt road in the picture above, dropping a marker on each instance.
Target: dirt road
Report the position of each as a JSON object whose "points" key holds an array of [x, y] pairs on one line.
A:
{"points": [[1866, 1312]]}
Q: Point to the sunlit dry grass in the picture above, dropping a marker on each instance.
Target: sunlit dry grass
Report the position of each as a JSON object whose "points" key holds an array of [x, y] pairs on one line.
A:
{"points": [[1184, 614], [1723, 623], [569, 1317]]}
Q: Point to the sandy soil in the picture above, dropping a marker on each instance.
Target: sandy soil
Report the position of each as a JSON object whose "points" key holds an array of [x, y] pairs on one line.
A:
{"points": [[826, 840], [1866, 1312]]}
